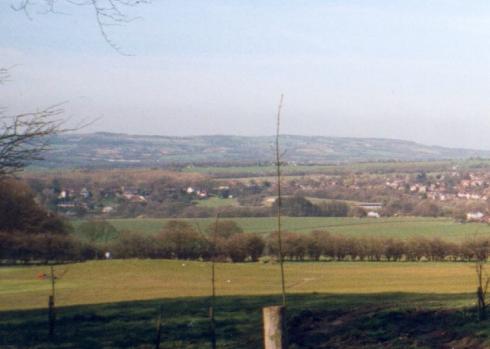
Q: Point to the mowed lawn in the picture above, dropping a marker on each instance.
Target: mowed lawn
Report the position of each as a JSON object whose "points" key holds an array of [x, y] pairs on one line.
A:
{"points": [[401, 227], [128, 280]]}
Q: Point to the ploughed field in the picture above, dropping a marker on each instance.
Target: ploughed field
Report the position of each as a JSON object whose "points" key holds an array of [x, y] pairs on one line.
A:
{"points": [[114, 304], [400, 227]]}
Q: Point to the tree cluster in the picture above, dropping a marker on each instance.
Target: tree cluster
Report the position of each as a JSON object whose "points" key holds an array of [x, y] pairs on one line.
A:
{"points": [[299, 206], [181, 240], [30, 233], [322, 244]]}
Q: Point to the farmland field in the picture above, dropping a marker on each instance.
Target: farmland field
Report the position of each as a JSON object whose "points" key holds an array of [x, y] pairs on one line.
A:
{"points": [[113, 304], [269, 170], [401, 227], [215, 202], [126, 280], [335, 169]]}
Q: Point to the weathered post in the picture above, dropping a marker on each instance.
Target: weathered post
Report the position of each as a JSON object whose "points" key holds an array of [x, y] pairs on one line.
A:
{"points": [[51, 316], [51, 306], [159, 329], [212, 328], [274, 327]]}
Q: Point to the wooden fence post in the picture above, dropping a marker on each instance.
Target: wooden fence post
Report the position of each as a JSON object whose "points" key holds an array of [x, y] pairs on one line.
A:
{"points": [[212, 328], [159, 328], [274, 327], [51, 316]]}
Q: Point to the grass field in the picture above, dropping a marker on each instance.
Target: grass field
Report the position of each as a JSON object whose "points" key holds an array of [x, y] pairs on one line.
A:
{"points": [[389, 320], [215, 202], [114, 304], [401, 227], [332, 169], [127, 280], [335, 169]]}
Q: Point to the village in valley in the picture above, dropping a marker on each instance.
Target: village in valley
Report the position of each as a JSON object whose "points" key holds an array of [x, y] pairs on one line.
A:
{"points": [[456, 192]]}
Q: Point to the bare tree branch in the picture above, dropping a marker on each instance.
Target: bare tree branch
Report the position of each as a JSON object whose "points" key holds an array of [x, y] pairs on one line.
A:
{"points": [[25, 137], [107, 13]]}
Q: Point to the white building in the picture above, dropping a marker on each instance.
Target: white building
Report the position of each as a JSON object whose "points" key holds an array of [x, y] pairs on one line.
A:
{"points": [[372, 214], [474, 216]]}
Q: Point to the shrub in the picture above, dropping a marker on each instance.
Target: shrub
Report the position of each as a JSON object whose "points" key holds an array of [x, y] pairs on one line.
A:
{"points": [[224, 228], [133, 245], [180, 240], [42, 247]]}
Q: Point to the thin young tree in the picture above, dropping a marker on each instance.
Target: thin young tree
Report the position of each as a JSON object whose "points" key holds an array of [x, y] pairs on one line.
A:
{"points": [[52, 300], [213, 248], [279, 199], [481, 291], [213, 282]]}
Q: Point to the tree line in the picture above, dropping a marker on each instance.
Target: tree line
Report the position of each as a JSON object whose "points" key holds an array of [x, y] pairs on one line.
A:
{"points": [[30, 233], [315, 246]]}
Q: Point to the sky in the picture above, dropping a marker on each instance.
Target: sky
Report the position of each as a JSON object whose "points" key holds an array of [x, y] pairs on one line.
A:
{"points": [[415, 70]]}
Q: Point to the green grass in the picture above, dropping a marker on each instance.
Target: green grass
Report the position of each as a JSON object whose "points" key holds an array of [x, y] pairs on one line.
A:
{"points": [[114, 304], [128, 280], [390, 320], [401, 227], [215, 202], [333, 169]]}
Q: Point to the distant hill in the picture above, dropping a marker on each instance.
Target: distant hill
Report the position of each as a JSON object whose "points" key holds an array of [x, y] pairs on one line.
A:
{"points": [[122, 150]]}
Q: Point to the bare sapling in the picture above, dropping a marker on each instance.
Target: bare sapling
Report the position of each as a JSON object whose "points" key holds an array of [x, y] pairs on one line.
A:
{"points": [[51, 300], [275, 335], [480, 250], [213, 283], [481, 292], [279, 201], [212, 322]]}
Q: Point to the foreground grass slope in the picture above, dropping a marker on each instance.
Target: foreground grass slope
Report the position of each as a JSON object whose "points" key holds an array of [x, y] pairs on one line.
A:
{"points": [[401, 227], [114, 304], [388, 320], [128, 280]]}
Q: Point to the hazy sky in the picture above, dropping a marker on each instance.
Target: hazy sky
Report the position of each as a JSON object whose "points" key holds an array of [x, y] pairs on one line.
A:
{"points": [[416, 70]]}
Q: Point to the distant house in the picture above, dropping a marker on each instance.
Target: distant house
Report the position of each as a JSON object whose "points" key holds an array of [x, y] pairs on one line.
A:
{"points": [[474, 216], [107, 209], [370, 206], [372, 214], [223, 191], [134, 198], [84, 193], [66, 205], [139, 199], [202, 194], [465, 183]]}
